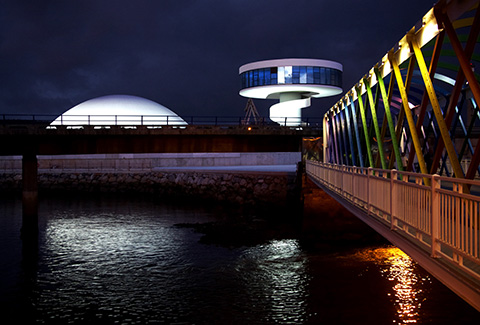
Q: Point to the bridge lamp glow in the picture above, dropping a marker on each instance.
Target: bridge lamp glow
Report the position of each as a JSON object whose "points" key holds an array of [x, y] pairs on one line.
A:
{"points": [[291, 81], [404, 51], [429, 29]]}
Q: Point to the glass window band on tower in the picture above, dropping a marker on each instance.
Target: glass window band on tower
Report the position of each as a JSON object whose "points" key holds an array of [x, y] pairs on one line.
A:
{"points": [[291, 75]]}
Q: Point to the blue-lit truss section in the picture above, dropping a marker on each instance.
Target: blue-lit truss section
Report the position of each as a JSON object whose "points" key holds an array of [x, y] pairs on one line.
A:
{"points": [[417, 108]]}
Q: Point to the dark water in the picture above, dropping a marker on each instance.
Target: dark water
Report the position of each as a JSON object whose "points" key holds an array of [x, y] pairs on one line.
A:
{"points": [[126, 260]]}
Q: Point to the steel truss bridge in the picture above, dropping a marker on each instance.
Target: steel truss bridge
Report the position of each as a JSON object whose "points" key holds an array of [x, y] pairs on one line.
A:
{"points": [[401, 147]]}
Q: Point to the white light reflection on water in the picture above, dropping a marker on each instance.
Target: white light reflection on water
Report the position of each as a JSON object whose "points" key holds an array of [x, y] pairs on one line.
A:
{"points": [[105, 238], [111, 265], [124, 266], [276, 275], [407, 285]]}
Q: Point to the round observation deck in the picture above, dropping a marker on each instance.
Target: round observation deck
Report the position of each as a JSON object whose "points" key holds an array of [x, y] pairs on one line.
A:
{"points": [[293, 82]]}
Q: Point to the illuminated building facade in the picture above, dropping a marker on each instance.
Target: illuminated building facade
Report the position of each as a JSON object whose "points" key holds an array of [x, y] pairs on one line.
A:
{"points": [[293, 82], [119, 110]]}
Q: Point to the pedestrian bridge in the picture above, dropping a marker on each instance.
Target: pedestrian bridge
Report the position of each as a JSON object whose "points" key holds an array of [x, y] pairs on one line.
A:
{"points": [[401, 148], [437, 224]]}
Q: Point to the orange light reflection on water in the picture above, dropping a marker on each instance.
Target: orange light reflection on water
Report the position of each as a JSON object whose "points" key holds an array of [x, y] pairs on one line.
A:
{"points": [[398, 268]]}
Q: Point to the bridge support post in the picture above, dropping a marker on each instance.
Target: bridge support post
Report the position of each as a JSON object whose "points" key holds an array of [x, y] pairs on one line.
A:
{"points": [[435, 214], [369, 173], [29, 194], [393, 198]]}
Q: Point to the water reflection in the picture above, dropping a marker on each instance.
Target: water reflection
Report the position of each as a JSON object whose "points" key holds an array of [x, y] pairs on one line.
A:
{"points": [[276, 275], [120, 265], [399, 268], [118, 262], [124, 261]]}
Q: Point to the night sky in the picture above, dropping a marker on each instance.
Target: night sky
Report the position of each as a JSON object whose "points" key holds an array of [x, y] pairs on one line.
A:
{"points": [[182, 54]]}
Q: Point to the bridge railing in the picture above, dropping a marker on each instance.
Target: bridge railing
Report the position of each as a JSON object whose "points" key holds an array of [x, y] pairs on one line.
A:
{"points": [[439, 214], [150, 120]]}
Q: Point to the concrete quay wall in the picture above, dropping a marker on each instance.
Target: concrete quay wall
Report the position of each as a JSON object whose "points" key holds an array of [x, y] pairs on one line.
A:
{"points": [[147, 162]]}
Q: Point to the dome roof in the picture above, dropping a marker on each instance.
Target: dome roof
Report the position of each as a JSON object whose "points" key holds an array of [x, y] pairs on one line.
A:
{"points": [[119, 110]]}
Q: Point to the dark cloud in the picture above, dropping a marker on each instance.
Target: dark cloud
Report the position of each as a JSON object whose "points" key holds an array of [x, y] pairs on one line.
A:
{"points": [[182, 54]]}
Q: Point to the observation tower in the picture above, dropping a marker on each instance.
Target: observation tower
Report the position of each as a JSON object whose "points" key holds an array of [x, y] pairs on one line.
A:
{"points": [[293, 82]]}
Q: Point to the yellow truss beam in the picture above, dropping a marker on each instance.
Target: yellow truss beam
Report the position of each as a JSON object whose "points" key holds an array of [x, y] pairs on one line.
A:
{"points": [[408, 114], [452, 155]]}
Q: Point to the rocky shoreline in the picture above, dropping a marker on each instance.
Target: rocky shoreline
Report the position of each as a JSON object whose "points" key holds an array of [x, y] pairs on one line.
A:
{"points": [[243, 188]]}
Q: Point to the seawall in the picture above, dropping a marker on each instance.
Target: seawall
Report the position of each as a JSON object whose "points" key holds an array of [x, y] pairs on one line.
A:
{"points": [[245, 188], [185, 176], [146, 162]]}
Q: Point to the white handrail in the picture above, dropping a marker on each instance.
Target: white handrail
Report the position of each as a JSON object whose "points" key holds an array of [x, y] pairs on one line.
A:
{"points": [[430, 210]]}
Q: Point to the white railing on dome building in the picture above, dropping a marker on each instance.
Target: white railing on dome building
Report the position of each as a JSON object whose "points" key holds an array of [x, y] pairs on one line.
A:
{"points": [[118, 120], [150, 120]]}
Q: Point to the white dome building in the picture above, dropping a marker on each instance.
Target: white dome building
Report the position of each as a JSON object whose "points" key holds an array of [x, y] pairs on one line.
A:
{"points": [[119, 110]]}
